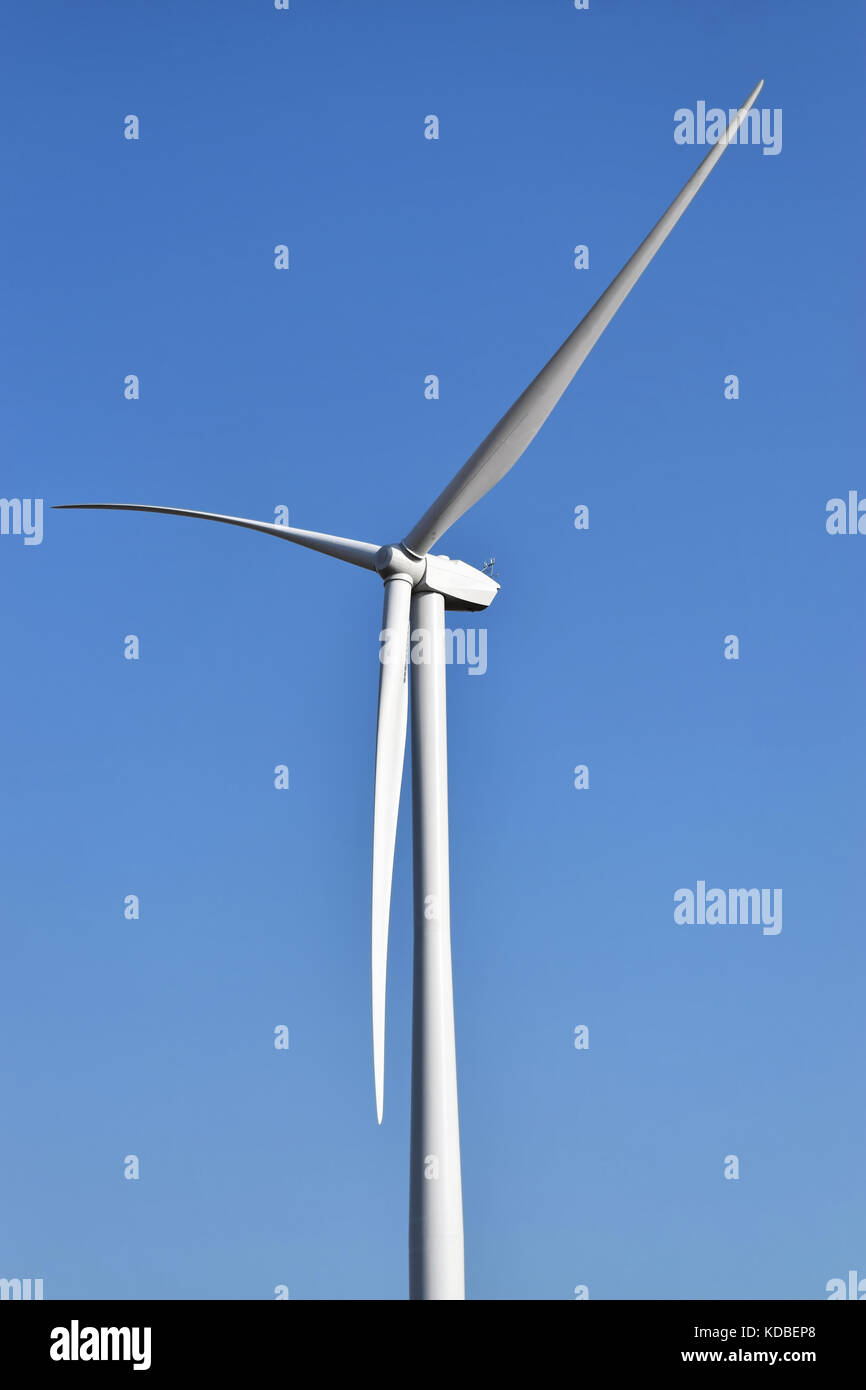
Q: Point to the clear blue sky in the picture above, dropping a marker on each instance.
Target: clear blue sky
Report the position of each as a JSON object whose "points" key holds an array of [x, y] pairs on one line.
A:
{"points": [[306, 388]]}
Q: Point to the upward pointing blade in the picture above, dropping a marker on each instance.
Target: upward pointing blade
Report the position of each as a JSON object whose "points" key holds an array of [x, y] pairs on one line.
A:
{"points": [[355, 552], [390, 750], [519, 426]]}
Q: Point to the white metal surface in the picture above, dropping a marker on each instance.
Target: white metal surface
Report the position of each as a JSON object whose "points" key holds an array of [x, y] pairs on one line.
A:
{"points": [[390, 752], [435, 1188], [461, 586], [520, 424], [360, 553]]}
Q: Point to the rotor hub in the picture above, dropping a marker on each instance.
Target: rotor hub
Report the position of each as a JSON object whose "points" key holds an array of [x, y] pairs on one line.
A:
{"points": [[392, 562]]}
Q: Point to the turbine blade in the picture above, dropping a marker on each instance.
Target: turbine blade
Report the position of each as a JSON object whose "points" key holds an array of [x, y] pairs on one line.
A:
{"points": [[390, 750], [355, 552], [519, 426]]}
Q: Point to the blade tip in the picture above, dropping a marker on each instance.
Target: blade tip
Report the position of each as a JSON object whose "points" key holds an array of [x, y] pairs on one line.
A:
{"points": [[753, 95]]}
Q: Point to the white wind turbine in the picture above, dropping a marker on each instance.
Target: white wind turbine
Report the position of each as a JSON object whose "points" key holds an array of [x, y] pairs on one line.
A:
{"points": [[419, 587]]}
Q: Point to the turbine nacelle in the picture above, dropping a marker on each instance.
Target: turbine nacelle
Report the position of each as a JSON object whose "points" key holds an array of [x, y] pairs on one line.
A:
{"points": [[463, 587]]}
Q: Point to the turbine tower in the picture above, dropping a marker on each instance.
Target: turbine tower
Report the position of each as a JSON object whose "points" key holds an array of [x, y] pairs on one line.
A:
{"points": [[419, 586]]}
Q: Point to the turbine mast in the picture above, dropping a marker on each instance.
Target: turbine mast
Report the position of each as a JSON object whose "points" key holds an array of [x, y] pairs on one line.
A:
{"points": [[436, 1268]]}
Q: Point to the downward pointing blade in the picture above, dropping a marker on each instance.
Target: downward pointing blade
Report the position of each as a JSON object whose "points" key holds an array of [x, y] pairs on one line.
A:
{"points": [[390, 750], [518, 427]]}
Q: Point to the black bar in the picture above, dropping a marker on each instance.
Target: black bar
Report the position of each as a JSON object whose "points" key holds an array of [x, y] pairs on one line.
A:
{"points": [[214, 1339]]}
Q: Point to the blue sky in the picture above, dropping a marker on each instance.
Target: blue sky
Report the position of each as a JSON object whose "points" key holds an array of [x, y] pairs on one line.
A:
{"points": [[305, 388]]}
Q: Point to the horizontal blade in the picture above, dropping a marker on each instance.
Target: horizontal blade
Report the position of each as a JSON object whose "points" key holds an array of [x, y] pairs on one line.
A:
{"points": [[390, 751], [355, 552], [519, 426]]}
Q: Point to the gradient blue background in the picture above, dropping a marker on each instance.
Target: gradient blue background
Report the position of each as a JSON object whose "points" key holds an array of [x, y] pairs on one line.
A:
{"points": [[305, 388]]}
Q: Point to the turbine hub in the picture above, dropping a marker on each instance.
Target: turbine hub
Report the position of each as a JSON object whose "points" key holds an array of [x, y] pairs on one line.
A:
{"points": [[392, 562]]}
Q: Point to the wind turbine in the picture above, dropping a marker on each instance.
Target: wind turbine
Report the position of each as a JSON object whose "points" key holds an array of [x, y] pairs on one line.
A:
{"points": [[419, 587]]}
